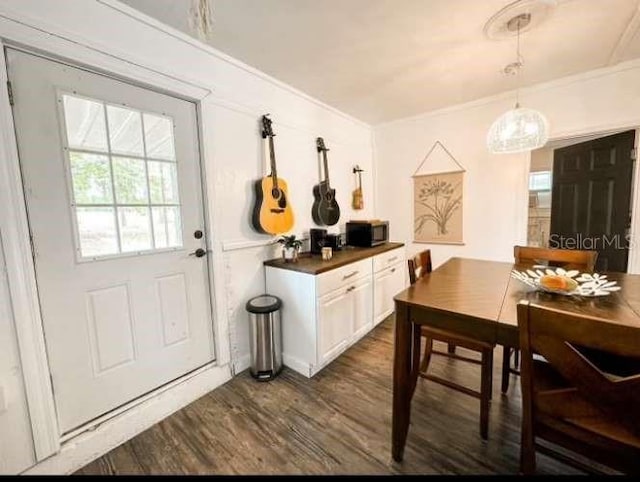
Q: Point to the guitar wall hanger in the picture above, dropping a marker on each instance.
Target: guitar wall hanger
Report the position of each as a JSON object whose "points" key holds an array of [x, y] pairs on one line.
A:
{"points": [[266, 132]]}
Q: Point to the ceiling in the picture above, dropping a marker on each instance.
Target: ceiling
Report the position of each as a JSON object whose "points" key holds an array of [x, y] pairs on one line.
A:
{"points": [[380, 60]]}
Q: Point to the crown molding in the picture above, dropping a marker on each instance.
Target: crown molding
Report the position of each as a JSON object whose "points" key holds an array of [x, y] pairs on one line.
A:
{"points": [[625, 39], [510, 94], [209, 50]]}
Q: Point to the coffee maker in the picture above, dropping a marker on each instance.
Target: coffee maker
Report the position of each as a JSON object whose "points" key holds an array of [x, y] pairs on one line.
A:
{"points": [[317, 240], [333, 241]]}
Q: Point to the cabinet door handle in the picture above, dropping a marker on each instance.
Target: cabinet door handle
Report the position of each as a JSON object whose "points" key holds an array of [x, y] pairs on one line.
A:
{"points": [[393, 270], [392, 259], [347, 276], [350, 289]]}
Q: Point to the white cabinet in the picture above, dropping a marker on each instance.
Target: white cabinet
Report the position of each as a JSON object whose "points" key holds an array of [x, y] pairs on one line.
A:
{"points": [[344, 276], [388, 259], [335, 324], [344, 317], [324, 314], [362, 305], [387, 283]]}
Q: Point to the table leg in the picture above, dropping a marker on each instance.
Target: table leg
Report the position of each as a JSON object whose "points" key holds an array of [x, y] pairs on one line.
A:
{"points": [[402, 381], [506, 365], [415, 356]]}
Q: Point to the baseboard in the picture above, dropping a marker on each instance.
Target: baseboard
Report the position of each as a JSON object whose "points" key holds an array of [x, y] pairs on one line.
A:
{"points": [[241, 364], [297, 365], [383, 317], [88, 446]]}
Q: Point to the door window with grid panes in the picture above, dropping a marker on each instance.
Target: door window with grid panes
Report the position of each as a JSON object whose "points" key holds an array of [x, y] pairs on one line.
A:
{"points": [[123, 178]]}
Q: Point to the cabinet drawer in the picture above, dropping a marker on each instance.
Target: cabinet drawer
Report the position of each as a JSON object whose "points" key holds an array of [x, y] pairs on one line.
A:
{"points": [[340, 277], [384, 260]]}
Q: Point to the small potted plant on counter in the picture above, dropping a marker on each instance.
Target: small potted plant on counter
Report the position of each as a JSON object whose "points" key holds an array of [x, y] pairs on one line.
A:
{"points": [[290, 247]]}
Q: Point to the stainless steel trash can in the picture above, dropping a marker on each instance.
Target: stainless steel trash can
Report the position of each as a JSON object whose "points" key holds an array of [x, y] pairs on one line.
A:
{"points": [[265, 332]]}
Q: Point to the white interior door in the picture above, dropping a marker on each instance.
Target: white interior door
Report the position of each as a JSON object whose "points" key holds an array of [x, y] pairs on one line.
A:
{"points": [[112, 181]]}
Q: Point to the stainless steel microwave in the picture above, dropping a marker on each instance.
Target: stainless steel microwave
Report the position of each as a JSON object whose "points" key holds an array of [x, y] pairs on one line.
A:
{"points": [[367, 233]]}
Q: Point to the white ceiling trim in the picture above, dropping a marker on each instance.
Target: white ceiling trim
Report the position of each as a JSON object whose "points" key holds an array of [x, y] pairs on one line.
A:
{"points": [[625, 39], [51, 40], [552, 84], [428, 56], [208, 49]]}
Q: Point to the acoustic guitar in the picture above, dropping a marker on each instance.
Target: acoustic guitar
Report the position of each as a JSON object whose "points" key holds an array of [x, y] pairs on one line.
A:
{"points": [[325, 210], [357, 201], [272, 213]]}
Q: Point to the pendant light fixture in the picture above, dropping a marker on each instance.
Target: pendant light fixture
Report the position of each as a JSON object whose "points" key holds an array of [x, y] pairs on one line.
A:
{"points": [[519, 129]]}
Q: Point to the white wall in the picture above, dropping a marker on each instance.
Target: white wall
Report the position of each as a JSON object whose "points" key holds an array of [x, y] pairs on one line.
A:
{"points": [[16, 447], [233, 155], [238, 163], [495, 207]]}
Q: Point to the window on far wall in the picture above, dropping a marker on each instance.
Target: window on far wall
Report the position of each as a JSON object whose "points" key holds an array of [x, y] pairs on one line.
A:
{"points": [[124, 180], [540, 181]]}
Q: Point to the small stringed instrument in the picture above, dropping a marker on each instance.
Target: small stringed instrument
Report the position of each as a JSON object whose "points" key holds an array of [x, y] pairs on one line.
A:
{"points": [[325, 210], [357, 201], [272, 212]]}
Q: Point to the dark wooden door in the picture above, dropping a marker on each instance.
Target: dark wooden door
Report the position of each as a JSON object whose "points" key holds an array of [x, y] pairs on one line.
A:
{"points": [[591, 198]]}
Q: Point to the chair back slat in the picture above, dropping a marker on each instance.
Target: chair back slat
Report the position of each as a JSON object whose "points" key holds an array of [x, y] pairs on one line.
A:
{"points": [[419, 265], [567, 258], [565, 403]]}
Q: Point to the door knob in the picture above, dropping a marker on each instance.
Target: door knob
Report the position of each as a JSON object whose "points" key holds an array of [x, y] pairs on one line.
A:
{"points": [[198, 253]]}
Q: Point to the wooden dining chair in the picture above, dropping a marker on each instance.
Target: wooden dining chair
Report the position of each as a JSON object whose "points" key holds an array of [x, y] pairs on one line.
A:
{"points": [[581, 260], [420, 266], [564, 258], [584, 395]]}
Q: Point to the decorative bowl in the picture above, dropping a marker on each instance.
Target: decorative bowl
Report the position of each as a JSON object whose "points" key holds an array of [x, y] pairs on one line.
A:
{"points": [[567, 283]]}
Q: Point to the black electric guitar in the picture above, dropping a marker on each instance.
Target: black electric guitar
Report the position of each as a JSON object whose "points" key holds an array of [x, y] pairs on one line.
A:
{"points": [[325, 210], [272, 212]]}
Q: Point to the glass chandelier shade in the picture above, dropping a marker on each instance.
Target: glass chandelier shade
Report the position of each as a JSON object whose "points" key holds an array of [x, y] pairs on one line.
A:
{"points": [[518, 130]]}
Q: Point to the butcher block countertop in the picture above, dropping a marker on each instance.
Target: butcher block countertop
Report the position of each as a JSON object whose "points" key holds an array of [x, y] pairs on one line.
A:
{"points": [[313, 264]]}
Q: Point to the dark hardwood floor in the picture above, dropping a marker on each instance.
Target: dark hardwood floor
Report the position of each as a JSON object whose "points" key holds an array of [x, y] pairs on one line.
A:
{"points": [[338, 422]]}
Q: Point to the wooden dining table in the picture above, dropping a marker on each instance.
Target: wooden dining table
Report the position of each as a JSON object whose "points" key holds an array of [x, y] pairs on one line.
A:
{"points": [[478, 299]]}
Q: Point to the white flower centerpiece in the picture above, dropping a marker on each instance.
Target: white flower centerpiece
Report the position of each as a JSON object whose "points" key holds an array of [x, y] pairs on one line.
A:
{"points": [[568, 283]]}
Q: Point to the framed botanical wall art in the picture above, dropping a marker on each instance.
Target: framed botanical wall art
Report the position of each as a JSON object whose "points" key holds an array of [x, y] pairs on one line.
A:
{"points": [[437, 203]]}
